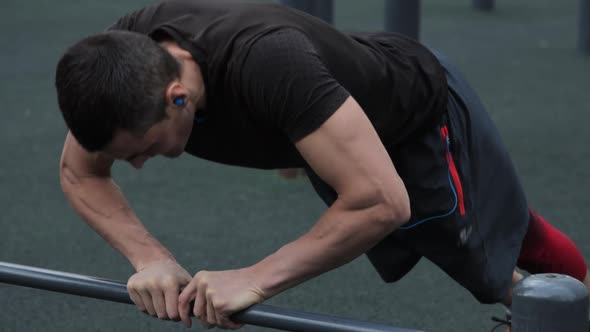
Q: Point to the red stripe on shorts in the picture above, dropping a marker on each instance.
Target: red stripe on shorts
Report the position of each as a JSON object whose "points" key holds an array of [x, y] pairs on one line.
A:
{"points": [[453, 169]]}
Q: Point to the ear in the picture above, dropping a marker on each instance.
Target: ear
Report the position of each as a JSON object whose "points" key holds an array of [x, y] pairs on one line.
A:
{"points": [[179, 101], [176, 95]]}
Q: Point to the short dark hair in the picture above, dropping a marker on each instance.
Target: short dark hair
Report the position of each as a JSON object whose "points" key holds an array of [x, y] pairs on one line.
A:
{"points": [[110, 81]]}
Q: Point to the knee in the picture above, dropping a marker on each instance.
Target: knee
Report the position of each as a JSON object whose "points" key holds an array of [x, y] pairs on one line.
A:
{"points": [[490, 295], [493, 290]]}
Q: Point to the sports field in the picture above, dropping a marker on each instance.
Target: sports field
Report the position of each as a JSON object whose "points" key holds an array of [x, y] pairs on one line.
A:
{"points": [[521, 58]]}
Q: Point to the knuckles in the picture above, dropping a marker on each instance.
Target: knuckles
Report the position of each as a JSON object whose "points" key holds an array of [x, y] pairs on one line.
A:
{"points": [[168, 282], [183, 300], [154, 284]]}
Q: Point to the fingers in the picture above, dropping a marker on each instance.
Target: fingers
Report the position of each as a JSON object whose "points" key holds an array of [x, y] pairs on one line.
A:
{"points": [[200, 309], [159, 303], [215, 314], [211, 315], [146, 298], [155, 289], [214, 303], [231, 324], [171, 302], [136, 299], [187, 295]]}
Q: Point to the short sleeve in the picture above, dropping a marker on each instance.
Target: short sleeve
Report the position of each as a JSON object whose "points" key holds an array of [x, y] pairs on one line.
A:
{"points": [[287, 85], [140, 20], [124, 23]]}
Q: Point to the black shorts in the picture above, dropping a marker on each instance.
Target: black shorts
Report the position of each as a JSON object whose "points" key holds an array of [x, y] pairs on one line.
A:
{"points": [[469, 212]]}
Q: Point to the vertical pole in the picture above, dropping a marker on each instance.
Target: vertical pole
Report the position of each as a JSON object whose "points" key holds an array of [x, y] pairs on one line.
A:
{"points": [[483, 4], [323, 9], [403, 16], [303, 5], [584, 26], [549, 302]]}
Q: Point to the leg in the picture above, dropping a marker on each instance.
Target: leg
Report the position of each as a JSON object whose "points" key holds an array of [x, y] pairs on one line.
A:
{"points": [[495, 203], [516, 277], [391, 260], [546, 250]]}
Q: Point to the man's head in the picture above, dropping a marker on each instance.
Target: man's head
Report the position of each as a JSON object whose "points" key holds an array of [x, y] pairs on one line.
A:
{"points": [[121, 93]]}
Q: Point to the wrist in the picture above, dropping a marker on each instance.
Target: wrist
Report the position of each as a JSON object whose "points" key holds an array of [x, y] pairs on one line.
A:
{"points": [[269, 276], [140, 262], [260, 281]]}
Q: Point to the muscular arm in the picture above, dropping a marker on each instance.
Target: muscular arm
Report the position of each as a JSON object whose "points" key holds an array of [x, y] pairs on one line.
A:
{"points": [[86, 181], [372, 201], [290, 87]]}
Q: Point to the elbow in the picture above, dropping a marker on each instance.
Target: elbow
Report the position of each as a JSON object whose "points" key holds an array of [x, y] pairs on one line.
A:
{"points": [[402, 214], [64, 182], [386, 206], [396, 214], [67, 178], [394, 210], [385, 210]]}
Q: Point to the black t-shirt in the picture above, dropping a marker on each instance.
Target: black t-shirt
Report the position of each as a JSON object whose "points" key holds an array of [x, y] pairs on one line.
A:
{"points": [[273, 75]]}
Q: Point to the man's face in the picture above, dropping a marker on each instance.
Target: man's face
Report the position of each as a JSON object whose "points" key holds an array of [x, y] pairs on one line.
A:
{"points": [[167, 138]]}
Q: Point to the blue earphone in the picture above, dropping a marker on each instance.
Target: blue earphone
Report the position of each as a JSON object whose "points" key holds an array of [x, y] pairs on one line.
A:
{"points": [[179, 101]]}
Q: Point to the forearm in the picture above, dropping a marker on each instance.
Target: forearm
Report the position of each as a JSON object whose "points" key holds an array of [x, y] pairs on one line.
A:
{"points": [[100, 202], [340, 236]]}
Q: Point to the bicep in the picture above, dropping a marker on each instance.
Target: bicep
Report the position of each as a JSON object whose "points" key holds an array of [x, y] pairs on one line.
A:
{"points": [[297, 94], [346, 152]]}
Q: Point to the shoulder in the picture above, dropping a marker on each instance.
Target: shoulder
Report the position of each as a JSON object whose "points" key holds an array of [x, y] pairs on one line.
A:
{"points": [[284, 49], [283, 38], [136, 20], [145, 19]]}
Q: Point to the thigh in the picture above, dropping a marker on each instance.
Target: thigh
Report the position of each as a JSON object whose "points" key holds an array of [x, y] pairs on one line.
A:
{"points": [[478, 248], [392, 259]]}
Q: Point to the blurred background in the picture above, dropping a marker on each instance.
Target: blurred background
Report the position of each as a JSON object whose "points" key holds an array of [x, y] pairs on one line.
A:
{"points": [[521, 57]]}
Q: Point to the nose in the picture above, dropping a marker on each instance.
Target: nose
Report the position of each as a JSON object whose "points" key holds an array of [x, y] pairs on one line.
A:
{"points": [[138, 161]]}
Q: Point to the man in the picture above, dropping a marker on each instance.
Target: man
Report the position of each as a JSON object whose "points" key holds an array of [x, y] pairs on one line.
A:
{"points": [[393, 139]]}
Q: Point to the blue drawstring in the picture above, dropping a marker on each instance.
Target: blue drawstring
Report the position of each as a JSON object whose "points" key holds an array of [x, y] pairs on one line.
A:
{"points": [[419, 222]]}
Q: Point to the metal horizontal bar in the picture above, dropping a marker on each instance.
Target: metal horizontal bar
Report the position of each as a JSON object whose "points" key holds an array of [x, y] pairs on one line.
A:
{"points": [[116, 291]]}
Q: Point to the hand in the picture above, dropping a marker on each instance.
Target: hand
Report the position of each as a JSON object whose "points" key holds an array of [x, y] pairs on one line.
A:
{"points": [[155, 288], [218, 295]]}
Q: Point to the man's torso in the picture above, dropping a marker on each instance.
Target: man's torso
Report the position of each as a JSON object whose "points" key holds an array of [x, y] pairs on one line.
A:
{"points": [[399, 84]]}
